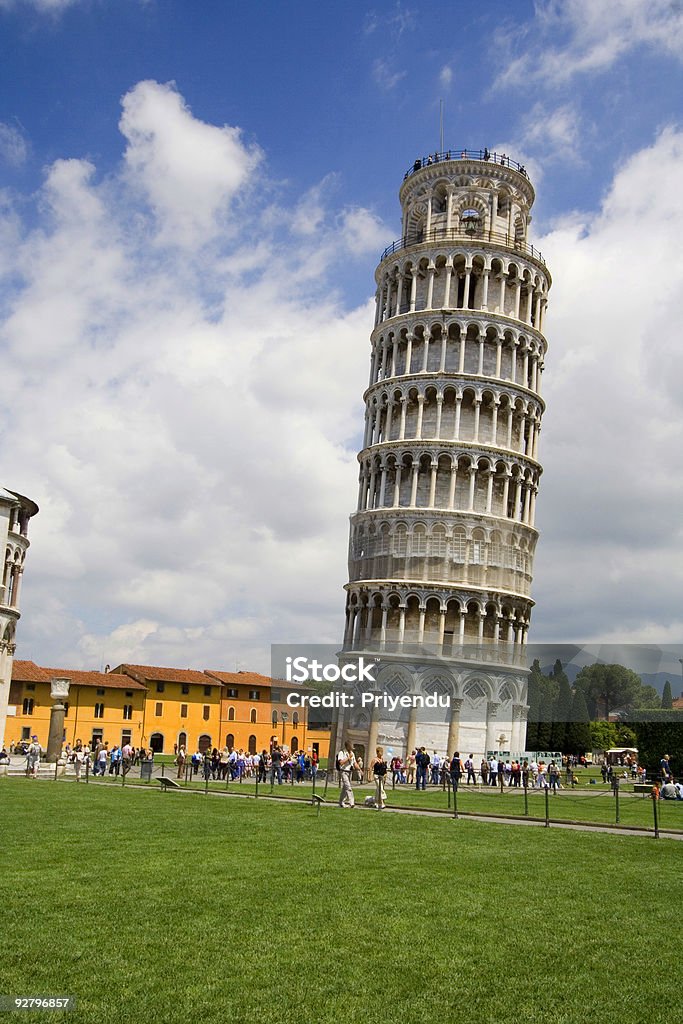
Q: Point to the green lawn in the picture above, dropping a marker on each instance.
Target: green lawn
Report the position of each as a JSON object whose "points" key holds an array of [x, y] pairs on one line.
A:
{"points": [[179, 908]]}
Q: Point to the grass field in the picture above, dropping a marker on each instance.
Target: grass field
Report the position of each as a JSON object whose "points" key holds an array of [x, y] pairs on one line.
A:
{"points": [[180, 908]]}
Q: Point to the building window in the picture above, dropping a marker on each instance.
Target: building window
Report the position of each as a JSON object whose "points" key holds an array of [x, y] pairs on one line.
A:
{"points": [[127, 712], [273, 718], [25, 733], [158, 709], [185, 688], [30, 687], [232, 693], [129, 693], [183, 710], [126, 737], [254, 695], [28, 705], [99, 711], [207, 691], [295, 720], [66, 709], [231, 714], [207, 712], [275, 696], [161, 687], [100, 693], [252, 715]]}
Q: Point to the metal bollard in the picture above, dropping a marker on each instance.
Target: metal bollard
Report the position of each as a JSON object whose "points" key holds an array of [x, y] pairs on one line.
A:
{"points": [[616, 800], [655, 811], [547, 809]]}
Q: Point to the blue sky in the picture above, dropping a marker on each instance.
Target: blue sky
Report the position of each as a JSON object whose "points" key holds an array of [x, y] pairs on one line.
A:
{"points": [[193, 198]]}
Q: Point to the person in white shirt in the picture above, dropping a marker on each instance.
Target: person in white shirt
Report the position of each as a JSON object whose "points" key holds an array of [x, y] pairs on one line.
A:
{"points": [[435, 765], [346, 760]]}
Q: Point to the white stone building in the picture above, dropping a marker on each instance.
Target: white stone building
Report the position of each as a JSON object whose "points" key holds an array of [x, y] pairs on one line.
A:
{"points": [[443, 538], [15, 512]]}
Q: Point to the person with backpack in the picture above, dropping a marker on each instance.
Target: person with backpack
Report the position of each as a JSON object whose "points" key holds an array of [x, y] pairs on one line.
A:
{"points": [[457, 770], [469, 768], [421, 768], [378, 767]]}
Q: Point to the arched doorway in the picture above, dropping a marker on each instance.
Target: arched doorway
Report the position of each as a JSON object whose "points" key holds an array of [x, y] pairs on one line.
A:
{"points": [[156, 742], [252, 744], [182, 739], [230, 740], [294, 744], [204, 743]]}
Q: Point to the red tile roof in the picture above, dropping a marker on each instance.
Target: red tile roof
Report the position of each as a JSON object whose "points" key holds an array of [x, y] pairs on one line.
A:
{"points": [[155, 673], [29, 672], [242, 678], [114, 680]]}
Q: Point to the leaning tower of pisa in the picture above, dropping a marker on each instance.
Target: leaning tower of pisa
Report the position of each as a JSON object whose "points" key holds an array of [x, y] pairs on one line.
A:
{"points": [[443, 538]]}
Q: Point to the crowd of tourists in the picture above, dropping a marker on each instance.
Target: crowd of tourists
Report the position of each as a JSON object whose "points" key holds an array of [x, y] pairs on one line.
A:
{"points": [[278, 764], [422, 769]]}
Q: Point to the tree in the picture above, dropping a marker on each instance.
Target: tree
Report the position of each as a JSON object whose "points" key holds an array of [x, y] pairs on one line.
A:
{"points": [[607, 687], [545, 723], [648, 698], [562, 713], [603, 735], [534, 694], [667, 697], [578, 738], [659, 733]]}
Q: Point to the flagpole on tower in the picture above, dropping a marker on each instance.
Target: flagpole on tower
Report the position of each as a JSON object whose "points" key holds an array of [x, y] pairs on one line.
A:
{"points": [[440, 126]]}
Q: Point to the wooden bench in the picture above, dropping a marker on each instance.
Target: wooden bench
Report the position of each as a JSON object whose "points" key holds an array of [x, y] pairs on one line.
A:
{"points": [[642, 787], [167, 784]]}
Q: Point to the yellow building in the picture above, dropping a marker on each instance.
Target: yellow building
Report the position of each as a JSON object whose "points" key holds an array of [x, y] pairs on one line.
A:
{"points": [[163, 708], [254, 712], [107, 706], [183, 707]]}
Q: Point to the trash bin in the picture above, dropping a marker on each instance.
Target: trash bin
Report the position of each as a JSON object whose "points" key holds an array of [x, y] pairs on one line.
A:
{"points": [[146, 770]]}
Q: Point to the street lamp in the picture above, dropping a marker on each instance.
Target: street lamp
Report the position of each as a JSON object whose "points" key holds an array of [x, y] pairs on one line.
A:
{"points": [[284, 716]]}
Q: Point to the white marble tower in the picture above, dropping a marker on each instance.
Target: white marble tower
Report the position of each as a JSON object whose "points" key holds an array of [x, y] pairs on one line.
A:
{"points": [[443, 538]]}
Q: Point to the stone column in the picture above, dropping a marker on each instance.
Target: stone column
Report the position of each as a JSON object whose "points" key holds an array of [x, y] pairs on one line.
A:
{"points": [[491, 715], [485, 291], [18, 571], [447, 286], [439, 414], [59, 691], [412, 728], [372, 740], [453, 743], [517, 740], [430, 287]]}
